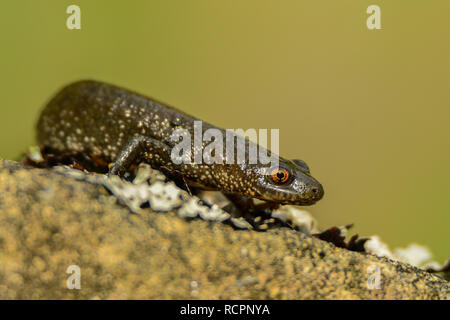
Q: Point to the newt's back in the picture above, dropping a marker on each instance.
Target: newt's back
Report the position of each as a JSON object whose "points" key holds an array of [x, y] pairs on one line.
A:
{"points": [[98, 119]]}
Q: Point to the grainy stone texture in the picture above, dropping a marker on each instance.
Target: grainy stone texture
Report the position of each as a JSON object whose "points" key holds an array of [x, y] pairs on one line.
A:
{"points": [[49, 222]]}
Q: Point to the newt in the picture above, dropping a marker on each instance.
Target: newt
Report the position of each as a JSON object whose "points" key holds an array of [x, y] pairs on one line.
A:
{"points": [[119, 127]]}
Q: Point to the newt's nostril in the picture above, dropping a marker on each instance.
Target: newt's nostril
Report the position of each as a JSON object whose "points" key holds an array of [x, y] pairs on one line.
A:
{"points": [[317, 192]]}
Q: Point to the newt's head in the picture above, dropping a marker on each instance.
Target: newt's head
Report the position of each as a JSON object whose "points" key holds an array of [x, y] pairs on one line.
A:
{"points": [[289, 182]]}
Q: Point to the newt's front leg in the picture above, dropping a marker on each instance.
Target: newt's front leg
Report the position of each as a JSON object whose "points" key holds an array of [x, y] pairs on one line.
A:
{"points": [[138, 149], [144, 148]]}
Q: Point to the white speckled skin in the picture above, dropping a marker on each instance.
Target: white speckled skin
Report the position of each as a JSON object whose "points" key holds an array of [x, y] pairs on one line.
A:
{"points": [[100, 120]]}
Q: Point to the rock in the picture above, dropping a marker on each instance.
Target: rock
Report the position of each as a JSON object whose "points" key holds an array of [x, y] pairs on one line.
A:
{"points": [[49, 222]]}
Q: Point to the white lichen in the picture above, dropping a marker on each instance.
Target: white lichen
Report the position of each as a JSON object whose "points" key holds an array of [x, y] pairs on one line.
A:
{"points": [[298, 218]]}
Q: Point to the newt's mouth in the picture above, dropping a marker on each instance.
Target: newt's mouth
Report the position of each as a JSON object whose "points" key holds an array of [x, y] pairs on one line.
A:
{"points": [[308, 202], [295, 202], [310, 196]]}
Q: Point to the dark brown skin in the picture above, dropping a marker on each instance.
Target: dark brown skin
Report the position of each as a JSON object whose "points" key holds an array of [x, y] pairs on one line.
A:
{"points": [[124, 128]]}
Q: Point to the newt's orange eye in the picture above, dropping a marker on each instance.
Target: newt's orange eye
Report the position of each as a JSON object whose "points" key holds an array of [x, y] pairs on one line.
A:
{"points": [[279, 175]]}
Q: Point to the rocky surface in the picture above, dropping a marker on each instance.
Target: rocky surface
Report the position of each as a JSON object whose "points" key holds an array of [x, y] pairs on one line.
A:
{"points": [[49, 222]]}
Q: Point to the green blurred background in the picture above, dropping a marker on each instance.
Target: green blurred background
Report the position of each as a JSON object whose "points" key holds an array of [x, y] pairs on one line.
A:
{"points": [[367, 109]]}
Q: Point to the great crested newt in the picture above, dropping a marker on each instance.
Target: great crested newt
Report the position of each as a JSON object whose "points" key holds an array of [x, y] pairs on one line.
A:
{"points": [[121, 128]]}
